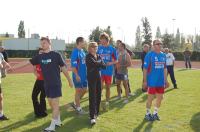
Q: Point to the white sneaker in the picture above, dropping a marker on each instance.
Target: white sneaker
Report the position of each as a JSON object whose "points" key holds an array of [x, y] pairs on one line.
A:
{"points": [[131, 94], [118, 98], [52, 126], [58, 123], [82, 112], [125, 101], [92, 121]]}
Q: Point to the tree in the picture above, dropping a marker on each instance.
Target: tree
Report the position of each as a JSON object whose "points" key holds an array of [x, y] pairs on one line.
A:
{"points": [[178, 41], [7, 35], [109, 32], [158, 33], [21, 30], [138, 39], [146, 34], [94, 36], [167, 40]]}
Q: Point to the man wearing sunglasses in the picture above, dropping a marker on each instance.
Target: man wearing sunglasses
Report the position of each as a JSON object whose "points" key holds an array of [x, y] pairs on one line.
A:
{"points": [[155, 79]]}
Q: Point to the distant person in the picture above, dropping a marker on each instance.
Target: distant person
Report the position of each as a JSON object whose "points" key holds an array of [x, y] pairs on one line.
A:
{"points": [[187, 54], [170, 59], [155, 79], [3, 64], [124, 61], [94, 63], [5, 55], [79, 74], [143, 54], [38, 89]]}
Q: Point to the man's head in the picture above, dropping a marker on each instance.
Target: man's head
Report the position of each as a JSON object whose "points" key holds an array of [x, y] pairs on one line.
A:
{"points": [[92, 47], [157, 45], [45, 43], [104, 39], [145, 47], [166, 50], [80, 42], [122, 47]]}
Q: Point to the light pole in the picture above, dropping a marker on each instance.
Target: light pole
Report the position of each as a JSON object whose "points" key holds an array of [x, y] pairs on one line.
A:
{"points": [[173, 25]]}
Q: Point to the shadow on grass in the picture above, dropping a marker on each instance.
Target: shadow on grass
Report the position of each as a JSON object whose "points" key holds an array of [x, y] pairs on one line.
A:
{"points": [[140, 126], [28, 119], [194, 122], [182, 70], [118, 103], [144, 97], [76, 122]]}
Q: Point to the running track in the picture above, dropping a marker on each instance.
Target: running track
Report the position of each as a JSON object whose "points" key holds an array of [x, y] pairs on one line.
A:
{"points": [[135, 64]]}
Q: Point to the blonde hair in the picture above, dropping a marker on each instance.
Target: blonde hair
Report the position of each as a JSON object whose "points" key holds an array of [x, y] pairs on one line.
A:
{"points": [[104, 35], [91, 44]]}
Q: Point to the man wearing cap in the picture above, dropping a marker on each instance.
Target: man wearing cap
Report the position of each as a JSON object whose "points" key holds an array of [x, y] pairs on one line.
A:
{"points": [[155, 79]]}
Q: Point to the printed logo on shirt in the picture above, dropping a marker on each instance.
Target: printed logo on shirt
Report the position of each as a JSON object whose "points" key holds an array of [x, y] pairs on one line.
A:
{"points": [[47, 61]]}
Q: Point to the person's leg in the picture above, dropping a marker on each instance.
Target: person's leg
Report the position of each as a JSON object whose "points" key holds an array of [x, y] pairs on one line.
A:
{"points": [[186, 61], [125, 84], [159, 98], [92, 98], [77, 96], [35, 93], [118, 82], [43, 107], [171, 73], [190, 66], [1, 103], [54, 103], [107, 92], [150, 98], [98, 95]]}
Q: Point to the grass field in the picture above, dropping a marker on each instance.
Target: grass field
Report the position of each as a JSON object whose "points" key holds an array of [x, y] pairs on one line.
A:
{"points": [[180, 111]]}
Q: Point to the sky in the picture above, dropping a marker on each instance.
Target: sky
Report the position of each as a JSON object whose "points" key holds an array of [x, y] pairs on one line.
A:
{"points": [[68, 19]]}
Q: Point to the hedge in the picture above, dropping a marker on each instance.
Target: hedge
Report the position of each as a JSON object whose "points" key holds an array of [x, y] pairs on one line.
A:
{"points": [[28, 54]]}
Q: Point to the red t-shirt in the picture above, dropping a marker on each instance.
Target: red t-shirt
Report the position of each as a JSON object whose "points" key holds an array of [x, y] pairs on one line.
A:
{"points": [[39, 71]]}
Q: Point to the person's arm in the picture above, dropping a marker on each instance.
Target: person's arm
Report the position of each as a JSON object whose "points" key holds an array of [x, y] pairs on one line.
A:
{"points": [[147, 62], [173, 59], [94, 63], [74, 65], [165, 77], [65, 72]]}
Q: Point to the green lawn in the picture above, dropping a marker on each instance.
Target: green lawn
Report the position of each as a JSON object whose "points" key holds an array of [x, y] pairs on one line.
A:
{"points": [[180, 110]]}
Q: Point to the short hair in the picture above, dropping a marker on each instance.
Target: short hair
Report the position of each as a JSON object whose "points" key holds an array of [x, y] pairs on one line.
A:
{"points": [[119, 41], [79, 39], [46, 38], [104, 35], [91, 44], [157, 41], [145, 45]]}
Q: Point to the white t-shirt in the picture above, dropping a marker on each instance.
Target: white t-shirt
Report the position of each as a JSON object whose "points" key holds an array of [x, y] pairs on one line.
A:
{"points": [[170, 59], [1, 60]]}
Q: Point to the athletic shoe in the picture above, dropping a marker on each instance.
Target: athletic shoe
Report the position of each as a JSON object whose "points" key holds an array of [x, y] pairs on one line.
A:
{"points": [[156, 117], [73, 105], [149, 117], [125, 101], [58, 123], [48, 129], [175, 86], [131, 94], [3, 118], [118, 97], [92, 121], [82, 112]]}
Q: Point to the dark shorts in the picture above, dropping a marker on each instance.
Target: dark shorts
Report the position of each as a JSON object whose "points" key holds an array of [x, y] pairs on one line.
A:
{"points": [[53, 91], [82, 84], [121, 77]]}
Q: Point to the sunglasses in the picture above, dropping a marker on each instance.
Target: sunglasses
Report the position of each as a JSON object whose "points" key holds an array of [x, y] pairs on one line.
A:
{"points": [[158, 44]]}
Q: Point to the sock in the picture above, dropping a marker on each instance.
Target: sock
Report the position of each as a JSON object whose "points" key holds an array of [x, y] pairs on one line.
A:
{"points": [[52, 125], [78, 108], [155, 110], [1, 113], [148, 111]]}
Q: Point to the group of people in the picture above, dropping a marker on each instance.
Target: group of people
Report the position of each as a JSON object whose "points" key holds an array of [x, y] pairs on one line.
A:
{"points": [[93, 71]]}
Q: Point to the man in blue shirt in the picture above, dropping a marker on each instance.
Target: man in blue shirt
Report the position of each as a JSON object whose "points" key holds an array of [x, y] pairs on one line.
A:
{"points": [[51, 63], [109, 56], [79, 73], [155, 78]]}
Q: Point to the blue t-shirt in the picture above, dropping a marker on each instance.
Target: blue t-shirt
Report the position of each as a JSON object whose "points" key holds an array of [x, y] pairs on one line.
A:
{"points": [[78, 62], [108, 54], [50, 64], [155, 63]]}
